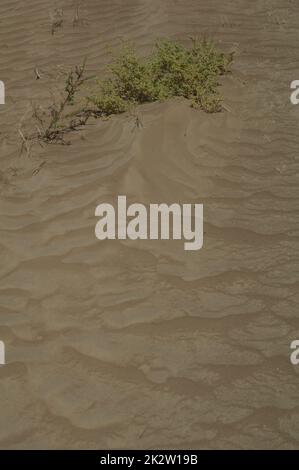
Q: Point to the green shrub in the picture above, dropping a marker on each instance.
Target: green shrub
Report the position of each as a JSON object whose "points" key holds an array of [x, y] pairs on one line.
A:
{"points": [[172, 70]]}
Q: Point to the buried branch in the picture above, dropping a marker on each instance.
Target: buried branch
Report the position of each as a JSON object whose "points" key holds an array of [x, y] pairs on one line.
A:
{"points": [[52, 125]]}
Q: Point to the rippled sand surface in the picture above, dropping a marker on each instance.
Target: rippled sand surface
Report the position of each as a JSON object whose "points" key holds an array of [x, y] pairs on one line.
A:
{"points": [[124, 344]]}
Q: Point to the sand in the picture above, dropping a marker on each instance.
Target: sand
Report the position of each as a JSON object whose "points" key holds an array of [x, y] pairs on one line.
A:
{"points": [[140, 344]]}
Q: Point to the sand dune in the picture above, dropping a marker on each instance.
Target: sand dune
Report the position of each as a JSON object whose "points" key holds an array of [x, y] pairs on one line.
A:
{"points": [[122, 344]]}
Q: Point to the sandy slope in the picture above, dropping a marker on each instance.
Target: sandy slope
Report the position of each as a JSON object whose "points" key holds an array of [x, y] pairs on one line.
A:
{"points": [[140, 344]]}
